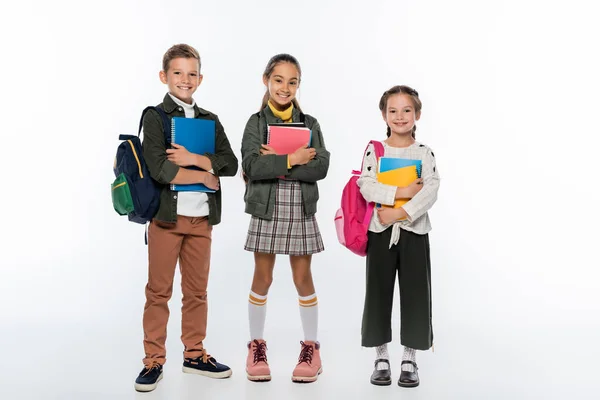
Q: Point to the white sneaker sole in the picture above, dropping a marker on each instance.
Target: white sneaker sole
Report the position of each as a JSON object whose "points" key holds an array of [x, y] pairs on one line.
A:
{"points": [[148, 388], [216, 375]]}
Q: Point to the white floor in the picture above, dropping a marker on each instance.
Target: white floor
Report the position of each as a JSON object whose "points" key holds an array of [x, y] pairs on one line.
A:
{"points": [[85, 343]]}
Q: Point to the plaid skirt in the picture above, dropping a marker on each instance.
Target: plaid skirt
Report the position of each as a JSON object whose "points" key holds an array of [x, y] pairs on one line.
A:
{"points": [[290, 231]]}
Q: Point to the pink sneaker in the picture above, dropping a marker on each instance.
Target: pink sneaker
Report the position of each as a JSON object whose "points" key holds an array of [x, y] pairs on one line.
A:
{"points": [[257, 368], [309, 363]]}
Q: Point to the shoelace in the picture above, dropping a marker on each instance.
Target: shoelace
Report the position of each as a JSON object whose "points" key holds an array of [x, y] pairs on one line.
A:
{"points": [[151, 367], [206, 358], [260, 351], [306, 354]]}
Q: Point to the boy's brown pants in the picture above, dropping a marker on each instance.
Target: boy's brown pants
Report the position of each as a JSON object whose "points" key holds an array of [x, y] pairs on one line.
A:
{"points": [[189, 241]]}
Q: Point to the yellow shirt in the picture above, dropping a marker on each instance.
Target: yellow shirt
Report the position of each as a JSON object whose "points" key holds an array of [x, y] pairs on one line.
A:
{"points": [[286, 116]]}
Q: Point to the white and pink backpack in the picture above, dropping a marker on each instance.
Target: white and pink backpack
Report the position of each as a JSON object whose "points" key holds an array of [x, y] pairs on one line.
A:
{"points": [[354, 216]]}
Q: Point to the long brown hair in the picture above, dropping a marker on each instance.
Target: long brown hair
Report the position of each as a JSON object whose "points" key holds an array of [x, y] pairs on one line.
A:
{"points": [[273, 62], [401, 89]]}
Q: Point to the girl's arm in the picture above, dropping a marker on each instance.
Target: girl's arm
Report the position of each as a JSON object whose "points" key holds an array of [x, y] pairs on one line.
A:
{"points": [[372, 190], [427, 196], [256, 166], [316, 169]]}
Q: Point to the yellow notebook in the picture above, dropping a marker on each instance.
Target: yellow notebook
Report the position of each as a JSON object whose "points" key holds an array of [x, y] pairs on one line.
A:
{"points": [[398, 177]]}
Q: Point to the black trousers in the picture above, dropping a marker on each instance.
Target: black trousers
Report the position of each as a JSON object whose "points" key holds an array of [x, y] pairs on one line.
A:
{"points": [[410, 258]]}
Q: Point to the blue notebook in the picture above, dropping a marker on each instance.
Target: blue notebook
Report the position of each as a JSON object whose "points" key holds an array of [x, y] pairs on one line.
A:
{"points": [[197, 136], [390, 163]]}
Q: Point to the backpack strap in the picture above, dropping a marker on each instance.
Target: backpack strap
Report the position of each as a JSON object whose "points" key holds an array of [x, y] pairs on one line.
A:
{"points": [[379, 152], [166, 123], [266, 133]]}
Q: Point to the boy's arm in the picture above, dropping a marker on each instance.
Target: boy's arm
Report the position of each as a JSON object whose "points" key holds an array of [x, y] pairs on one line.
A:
{"points": [[316, 169], [256, 166], [223, 162], [427, 196], [154, 148]]}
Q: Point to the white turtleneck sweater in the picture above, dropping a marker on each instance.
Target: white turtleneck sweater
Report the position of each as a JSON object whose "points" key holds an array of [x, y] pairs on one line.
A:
{"points": [[190, 204]]}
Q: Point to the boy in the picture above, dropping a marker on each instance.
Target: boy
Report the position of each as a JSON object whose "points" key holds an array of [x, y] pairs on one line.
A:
{"points": [[182, 227]]}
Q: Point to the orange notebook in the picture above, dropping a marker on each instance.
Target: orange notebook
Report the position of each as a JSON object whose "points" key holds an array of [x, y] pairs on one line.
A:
{"points": [[398, 177]]}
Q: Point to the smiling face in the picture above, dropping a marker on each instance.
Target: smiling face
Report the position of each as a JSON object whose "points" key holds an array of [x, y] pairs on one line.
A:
{"points": [[282, 85], [400, 114], [183, 78]]}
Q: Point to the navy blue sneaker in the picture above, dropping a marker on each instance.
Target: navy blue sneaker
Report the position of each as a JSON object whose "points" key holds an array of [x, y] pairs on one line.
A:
{"points": [[207, 366], [148, 379]]}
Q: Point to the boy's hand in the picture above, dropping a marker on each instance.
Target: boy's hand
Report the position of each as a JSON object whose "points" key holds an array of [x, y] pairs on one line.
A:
{"points": [[388, 215], [267, 150], [302, 156], [180, 156], [210, 181]]}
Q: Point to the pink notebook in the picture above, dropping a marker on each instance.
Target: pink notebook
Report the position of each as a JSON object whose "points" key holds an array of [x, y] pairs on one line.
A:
{"points": [[286, 140]]}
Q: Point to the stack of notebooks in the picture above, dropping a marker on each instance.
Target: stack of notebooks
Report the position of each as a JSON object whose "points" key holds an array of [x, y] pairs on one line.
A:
{"points": [[287, 138], [399, 172], [197, 136]]}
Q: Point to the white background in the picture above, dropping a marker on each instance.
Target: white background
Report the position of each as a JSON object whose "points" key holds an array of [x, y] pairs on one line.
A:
{"points": [[509, 93]]}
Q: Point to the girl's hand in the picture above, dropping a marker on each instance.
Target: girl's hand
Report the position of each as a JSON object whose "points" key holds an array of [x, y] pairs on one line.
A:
{"points": [[266, 149], [302, 156], [408, 192], [414, 188], [388, 215], [180, 156]]}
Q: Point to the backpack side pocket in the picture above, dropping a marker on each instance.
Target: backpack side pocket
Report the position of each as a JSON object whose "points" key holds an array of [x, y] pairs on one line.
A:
{"points": [[121, 195]]}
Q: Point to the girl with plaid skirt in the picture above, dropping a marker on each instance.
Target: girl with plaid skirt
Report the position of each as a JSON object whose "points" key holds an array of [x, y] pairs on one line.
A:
{"points": [[281, 195]]}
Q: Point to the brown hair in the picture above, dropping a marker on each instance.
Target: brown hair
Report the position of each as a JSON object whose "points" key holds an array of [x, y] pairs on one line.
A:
{"points": [[401, 89], [273, 62], [180, 51]]}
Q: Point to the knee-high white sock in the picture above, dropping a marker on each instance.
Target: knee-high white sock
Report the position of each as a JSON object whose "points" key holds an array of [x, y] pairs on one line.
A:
{"points": [[257, 313], [409, 355], [309, 314], [382, 353]]}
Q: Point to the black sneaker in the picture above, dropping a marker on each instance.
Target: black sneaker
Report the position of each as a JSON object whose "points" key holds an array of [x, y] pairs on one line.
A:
{"points": [[148, 379], [207, 366]]}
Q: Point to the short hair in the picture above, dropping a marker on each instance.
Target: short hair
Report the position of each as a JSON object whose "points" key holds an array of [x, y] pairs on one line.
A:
{"points": [[180, 51]]}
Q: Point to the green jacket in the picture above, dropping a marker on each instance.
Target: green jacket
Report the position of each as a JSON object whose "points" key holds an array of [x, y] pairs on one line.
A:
{"points": [[263, 171], [224, 162]]}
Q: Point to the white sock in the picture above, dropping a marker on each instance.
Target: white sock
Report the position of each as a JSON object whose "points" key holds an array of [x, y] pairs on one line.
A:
{"points": [[382, 353], [309, 314], [409, 355], [257, 313]]}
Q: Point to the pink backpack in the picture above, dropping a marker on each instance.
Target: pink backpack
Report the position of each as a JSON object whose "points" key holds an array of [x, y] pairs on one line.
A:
{"points": [[353, 218]]}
